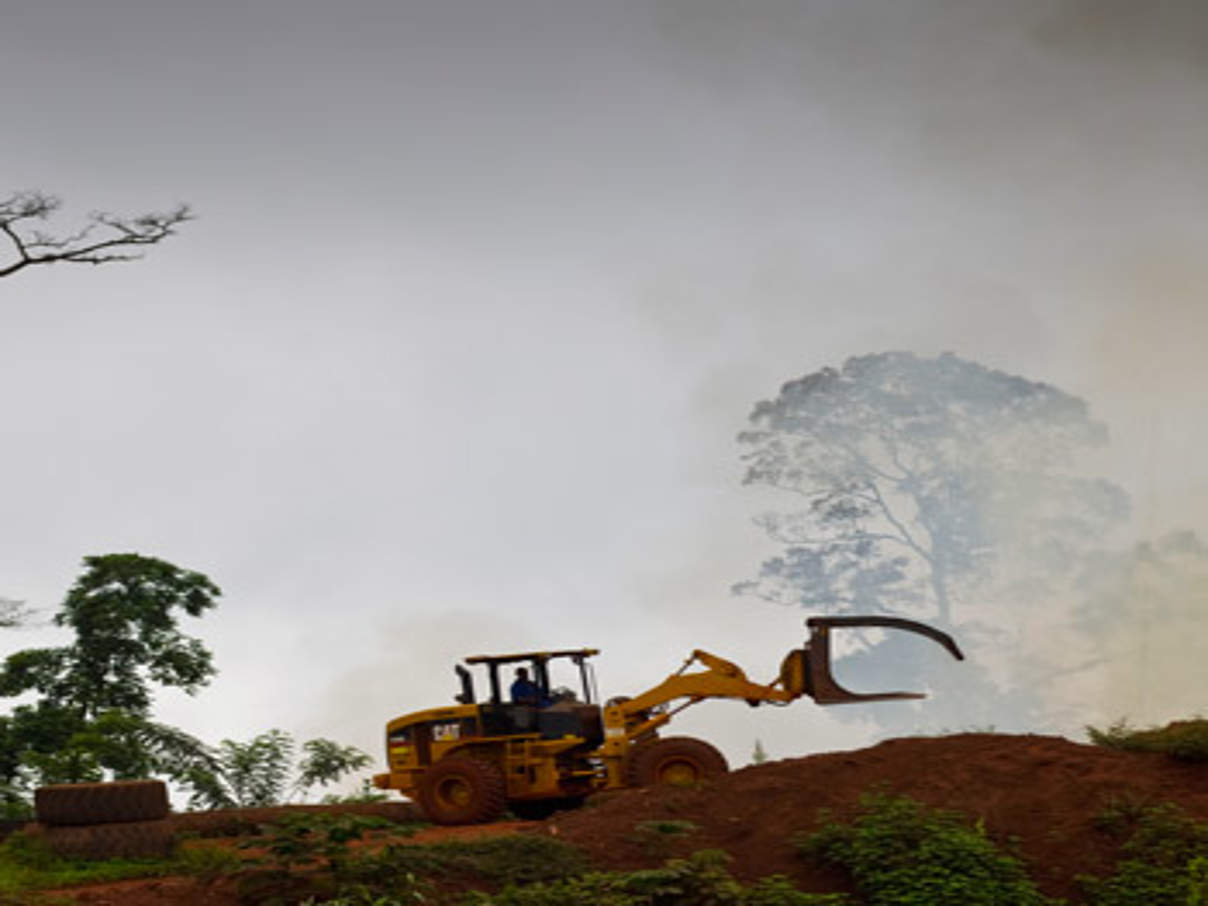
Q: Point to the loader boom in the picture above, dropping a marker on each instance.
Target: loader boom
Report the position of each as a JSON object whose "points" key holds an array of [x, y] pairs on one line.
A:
{"points": [[804, 671]]}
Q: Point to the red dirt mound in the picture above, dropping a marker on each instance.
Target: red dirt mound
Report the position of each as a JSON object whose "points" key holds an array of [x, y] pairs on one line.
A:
{"points": [[1042, 790], [231, 822]]}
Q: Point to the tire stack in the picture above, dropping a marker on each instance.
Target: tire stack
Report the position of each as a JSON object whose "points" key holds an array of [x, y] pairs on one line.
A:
{"points": [[122, 819]]}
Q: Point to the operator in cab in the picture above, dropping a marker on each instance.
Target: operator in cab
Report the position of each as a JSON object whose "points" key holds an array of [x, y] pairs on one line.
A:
{"points": [[524, 691]]}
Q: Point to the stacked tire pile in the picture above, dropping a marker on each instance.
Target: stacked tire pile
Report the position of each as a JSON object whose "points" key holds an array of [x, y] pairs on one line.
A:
{"points": [[123, 819]]}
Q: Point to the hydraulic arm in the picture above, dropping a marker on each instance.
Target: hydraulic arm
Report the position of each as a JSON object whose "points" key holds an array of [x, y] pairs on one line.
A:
{"points": [[804, 671]]}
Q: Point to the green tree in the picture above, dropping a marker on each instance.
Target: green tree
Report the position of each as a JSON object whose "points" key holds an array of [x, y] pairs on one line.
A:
{"points": [[92, 713], [116, 744], [103, 239], [925, 487], [123, 611], [325, 761], [256, 773]]}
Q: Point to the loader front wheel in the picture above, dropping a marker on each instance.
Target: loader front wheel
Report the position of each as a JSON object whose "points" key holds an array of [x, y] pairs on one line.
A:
{"points": [[462, 791], [676, 761]]}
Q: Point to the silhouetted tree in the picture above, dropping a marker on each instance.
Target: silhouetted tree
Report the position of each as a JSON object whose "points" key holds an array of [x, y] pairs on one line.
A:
{"points": [[922, 483], [104, 238]]}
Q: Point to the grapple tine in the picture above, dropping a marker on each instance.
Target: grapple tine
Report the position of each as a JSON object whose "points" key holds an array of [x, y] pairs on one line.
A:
{"points": [[822, 685]]}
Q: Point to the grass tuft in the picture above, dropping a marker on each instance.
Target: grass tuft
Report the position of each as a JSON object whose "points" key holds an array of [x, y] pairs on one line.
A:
{"points": [[1186, 740]]}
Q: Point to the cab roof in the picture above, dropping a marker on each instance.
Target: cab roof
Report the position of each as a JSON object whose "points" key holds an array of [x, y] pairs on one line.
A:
{"points": [[577, 653]]}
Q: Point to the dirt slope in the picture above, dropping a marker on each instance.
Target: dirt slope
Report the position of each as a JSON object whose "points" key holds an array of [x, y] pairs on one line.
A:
{"points": [[1043, 790]]}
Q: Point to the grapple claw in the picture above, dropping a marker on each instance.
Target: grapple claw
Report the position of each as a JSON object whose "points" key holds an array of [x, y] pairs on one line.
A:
{"points": [[821, 685]]}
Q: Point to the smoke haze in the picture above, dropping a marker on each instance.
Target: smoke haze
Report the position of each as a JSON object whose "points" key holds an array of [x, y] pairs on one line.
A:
{"points": [[480, 296]]}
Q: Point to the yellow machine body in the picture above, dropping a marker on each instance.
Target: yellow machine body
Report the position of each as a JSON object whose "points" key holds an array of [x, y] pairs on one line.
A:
{"points": [[467, 762]]}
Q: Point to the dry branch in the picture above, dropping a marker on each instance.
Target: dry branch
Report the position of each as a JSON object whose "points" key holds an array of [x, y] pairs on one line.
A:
{"points": [[103, 239]]}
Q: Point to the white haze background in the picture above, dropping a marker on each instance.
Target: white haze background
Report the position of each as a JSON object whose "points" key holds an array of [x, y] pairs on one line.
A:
{"points": [[481, 293]]}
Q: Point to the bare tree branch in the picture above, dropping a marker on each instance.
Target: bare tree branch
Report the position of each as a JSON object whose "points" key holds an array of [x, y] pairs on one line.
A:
{"points": [[104, 239]]}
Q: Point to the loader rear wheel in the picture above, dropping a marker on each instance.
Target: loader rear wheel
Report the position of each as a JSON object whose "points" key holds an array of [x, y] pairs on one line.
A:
{"points": [[463, 791], [676, 761]]}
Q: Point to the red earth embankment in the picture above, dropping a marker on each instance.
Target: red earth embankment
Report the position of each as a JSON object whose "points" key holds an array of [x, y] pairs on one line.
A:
{"points": [[1041, 790]]}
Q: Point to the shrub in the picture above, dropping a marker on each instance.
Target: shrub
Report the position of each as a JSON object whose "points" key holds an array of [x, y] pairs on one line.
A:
{"points": [[27, 863], [656, 836], [900, 853], [701, 880], [404, 895], [206, 863], [1186, 740], [1163, 864], [305, 837], [513, 859]]}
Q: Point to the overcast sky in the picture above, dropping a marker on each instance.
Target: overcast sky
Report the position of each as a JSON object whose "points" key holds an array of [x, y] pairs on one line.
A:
{"points": [[481, 292]]}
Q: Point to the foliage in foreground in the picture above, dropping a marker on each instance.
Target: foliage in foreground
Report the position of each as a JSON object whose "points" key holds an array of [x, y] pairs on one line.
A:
{"points": [[1186, 740], [516, 859], [900, 853], [307, 838], [396, 874], [26, 863], [700, 880], [1164, 858]]}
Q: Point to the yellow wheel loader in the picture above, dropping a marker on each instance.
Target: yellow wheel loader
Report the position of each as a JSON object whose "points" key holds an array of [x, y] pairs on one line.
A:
{"points": [[469, 762]]}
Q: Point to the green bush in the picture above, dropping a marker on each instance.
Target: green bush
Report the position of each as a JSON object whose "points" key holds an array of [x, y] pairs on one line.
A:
{"points": [[512, 859], [1163, 860], [656, 836], [26, 863], [206, 863], [305, 837], [405, 895], [1186, 740], [701, 880], [899, 853]]}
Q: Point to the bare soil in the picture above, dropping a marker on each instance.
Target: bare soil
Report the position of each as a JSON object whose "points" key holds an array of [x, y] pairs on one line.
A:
{"points": [[1040, 793]]}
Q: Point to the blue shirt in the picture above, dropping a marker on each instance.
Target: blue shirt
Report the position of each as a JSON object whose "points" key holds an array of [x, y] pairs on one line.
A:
{"points": [[525, 692]]}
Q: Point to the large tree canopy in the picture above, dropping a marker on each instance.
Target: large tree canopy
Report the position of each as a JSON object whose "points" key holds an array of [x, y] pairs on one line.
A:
{"points": [[927, 487]]}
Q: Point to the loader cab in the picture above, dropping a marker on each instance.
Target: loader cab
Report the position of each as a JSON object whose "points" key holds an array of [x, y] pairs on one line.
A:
{"points": [[567, 698]]}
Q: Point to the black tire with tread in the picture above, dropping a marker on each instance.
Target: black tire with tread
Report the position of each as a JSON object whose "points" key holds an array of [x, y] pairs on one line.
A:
{"points": [[101, 803], [675, 760], [121, 840], [462, 790]]}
